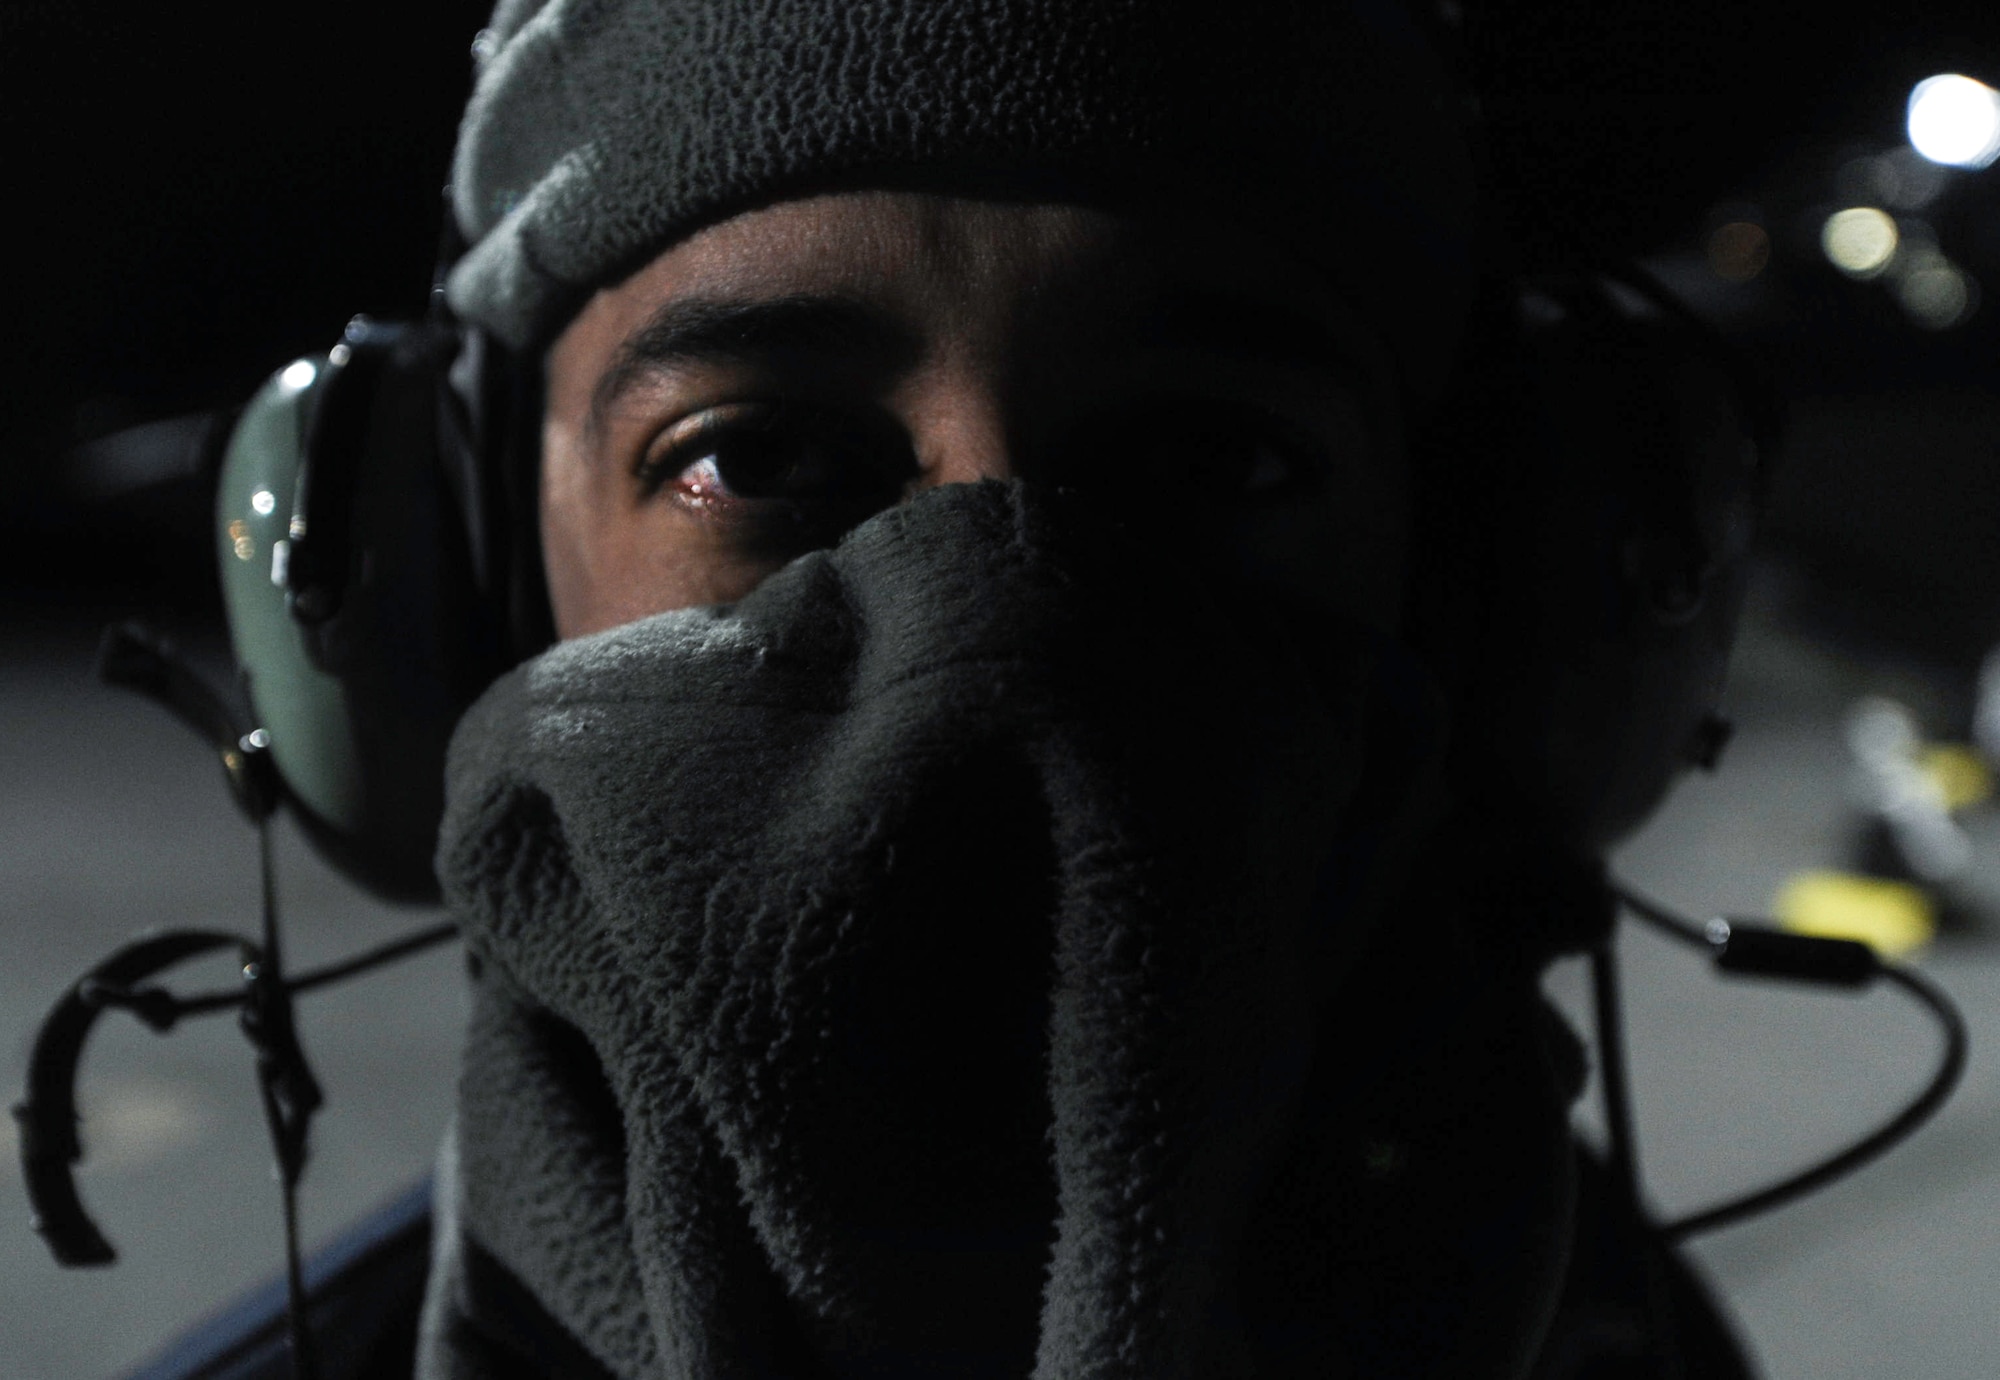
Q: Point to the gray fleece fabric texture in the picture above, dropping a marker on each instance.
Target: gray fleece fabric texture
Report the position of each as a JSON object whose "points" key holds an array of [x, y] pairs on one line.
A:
{"points": [[965, 957], [602, 131]]}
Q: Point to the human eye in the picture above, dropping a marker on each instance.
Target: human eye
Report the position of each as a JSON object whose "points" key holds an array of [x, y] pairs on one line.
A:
{"points": [[778, 473]]}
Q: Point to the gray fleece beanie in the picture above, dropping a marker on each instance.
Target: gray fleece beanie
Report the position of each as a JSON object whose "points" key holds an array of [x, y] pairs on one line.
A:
{"points": [[602, 131]]}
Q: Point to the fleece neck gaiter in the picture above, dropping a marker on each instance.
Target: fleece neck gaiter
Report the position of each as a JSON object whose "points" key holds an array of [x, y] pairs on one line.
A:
{"points": [[926, 966]]}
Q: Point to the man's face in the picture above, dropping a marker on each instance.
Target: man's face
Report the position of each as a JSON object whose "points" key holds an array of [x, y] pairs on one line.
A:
{"points": [[776, 379]]}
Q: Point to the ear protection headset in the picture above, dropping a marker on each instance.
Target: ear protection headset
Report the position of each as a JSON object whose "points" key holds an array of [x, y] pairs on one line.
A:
{"points": [[1588, 494], [374, 519]]}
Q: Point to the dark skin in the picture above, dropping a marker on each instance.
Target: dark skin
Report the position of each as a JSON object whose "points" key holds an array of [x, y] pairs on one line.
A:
{"points": [[775, 379]]}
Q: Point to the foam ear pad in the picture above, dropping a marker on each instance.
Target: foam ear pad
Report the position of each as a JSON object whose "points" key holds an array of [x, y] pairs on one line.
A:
{"points": [[1604, 485]]}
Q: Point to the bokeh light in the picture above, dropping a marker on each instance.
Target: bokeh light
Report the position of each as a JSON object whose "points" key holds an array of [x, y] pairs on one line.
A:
{"points": [[1859, 241], [1738, 250], [1901, 179], [298, 374], [1955, 121], [1936, 293]]}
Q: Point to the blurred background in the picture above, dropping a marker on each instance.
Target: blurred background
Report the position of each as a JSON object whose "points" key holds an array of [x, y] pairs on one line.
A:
{"points": [[203, 193]]}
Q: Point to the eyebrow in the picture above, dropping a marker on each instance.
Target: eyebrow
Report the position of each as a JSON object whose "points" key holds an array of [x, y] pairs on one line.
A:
{"points": [[707, 330]]}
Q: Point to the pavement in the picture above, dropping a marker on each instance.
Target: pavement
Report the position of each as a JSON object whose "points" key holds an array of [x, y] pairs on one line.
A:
{"points": [[1893, 1273], [113, 819]]}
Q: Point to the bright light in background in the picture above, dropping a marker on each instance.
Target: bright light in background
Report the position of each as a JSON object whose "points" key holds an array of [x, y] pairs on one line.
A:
{"points": [[1859, 241], [1937, 294], [1955, 120], [298, 374]]}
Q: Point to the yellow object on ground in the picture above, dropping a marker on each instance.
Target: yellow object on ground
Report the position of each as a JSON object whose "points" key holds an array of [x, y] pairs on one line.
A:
{"points": [[1961, 776], [1895, 917]]}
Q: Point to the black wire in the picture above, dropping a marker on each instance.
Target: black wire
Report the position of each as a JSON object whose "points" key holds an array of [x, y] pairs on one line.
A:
{"points": [[268, 898], [1919, 1110], [270, 971], [305, 1364], [410, 943], [208, 1003], [297, 1340], [288, 1092], [1660, 918]]}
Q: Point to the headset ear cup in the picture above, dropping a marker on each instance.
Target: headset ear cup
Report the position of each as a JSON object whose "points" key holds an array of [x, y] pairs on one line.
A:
{"points": [[359, 685], [1617, 507]]}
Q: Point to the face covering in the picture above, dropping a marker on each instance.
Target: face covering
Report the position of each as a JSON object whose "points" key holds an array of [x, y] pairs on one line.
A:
{"points": [[962, 957]]}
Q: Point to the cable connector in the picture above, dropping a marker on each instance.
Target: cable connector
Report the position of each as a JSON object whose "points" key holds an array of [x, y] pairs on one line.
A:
{"points": [[1753, 950]]}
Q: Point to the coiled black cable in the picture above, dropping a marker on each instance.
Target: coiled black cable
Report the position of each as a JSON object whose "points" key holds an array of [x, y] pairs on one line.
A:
{"points": [[1759, 950]]}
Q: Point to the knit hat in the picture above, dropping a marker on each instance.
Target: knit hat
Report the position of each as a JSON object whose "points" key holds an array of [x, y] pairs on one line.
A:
{"points": [[602, 131]]}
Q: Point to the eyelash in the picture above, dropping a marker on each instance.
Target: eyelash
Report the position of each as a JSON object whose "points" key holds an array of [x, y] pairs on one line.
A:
{"points": [[682, 446], [832, 469], [821, 466]]}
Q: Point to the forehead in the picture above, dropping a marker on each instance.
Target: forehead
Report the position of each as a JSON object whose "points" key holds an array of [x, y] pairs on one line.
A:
{"points": [[984, 273]]}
